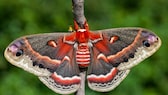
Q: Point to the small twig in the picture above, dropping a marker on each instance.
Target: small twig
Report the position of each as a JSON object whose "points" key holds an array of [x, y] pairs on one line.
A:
{"points": [[79, 17], [81, 90], [78, 12]]}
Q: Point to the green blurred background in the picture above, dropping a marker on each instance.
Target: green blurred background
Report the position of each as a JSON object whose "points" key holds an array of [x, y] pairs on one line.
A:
{"points": [[23, 17]]}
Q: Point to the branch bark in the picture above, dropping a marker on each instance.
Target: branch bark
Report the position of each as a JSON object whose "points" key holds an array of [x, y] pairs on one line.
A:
{"points": [[78, 12], [81, 90], [79, 17]]}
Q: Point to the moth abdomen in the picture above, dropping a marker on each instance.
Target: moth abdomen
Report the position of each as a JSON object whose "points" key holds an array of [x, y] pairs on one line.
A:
{"points": [[83, 55]]}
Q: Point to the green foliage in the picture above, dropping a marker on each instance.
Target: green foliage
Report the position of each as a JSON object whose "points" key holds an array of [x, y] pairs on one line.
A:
{"points": [[23, 17]]}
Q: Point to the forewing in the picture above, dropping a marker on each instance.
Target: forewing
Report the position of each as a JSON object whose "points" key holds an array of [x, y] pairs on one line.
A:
{"points": [[126, 47], [32, 53]]}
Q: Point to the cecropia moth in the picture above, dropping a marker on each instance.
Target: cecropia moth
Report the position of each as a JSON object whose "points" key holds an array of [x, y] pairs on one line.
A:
{"points": [[107, 55]]}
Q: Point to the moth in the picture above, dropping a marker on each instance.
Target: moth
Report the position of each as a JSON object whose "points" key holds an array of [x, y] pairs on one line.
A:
{"points": [[107, 55]]}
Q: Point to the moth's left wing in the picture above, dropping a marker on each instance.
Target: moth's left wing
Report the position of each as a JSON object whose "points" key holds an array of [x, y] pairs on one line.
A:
{"points": [[48, 56]]}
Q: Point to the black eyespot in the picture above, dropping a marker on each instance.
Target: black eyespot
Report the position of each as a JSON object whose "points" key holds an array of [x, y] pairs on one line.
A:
{"points": [[116, 64], [131, 55], [35, 63], [19, 52], [146, 43], [125, 59], [41, 66]]}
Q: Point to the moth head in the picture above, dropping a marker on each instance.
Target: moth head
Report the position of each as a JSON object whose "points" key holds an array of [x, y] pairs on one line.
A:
{"points": [[82, 35]]}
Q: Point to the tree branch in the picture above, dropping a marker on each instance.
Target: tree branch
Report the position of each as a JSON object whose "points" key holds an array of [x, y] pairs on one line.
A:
{"points": [[81, 90], [78, 12], [79, 17]]}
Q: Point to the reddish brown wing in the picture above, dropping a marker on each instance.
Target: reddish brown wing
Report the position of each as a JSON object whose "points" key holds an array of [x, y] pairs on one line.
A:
{"points": [[49, 57], [115, 52]]}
